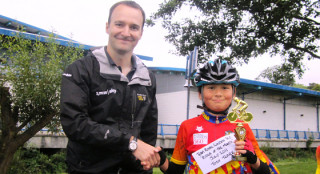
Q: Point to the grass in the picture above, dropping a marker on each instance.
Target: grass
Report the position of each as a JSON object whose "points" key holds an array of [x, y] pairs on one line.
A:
{"points": [[297, 166], [290, 165]]}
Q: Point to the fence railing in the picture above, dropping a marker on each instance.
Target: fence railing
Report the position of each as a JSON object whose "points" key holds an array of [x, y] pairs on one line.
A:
{"points": [[172, 129]]}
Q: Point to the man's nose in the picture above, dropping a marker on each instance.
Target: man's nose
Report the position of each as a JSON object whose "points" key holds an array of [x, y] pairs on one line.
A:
{"points": [[126, 31]]}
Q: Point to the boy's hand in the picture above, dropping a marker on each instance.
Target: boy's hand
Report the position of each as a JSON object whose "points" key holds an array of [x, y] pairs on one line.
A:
{"points": [[246, 149]]}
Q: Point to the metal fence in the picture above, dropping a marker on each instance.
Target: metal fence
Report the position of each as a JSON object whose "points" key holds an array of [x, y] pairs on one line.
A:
{"points": [[172, 129]]}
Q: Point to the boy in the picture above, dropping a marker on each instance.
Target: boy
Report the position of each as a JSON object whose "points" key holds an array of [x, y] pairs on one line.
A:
{"points": [[216, 81]]}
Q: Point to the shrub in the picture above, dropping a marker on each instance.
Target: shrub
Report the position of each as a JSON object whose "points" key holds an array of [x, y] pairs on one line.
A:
{"points": [[276, 154], [32, 161]]}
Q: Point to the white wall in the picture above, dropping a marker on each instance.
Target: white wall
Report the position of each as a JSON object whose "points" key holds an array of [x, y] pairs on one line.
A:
{"points": [[173, 108], [271, 119], [300, 117]]}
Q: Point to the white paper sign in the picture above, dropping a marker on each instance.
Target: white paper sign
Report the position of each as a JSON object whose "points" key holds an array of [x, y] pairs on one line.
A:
{"points": [[215, 154]]}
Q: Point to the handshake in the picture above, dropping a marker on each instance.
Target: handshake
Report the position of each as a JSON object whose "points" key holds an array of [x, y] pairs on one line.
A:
{"points": [[150, 156]]}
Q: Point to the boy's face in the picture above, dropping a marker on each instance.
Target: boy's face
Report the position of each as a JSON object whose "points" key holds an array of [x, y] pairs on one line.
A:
{"points": [[217, 97]]}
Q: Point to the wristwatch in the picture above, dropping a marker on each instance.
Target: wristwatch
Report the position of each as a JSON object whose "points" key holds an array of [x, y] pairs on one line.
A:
{"points": [[133, 144]]}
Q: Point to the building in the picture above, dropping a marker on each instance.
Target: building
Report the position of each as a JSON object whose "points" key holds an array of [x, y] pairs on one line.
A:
{"points": [[274, 107]]}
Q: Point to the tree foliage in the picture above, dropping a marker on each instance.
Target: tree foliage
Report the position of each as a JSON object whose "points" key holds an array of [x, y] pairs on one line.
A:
{"points": [[279, 74], [240, 30], [29, 89], [314, 86]]}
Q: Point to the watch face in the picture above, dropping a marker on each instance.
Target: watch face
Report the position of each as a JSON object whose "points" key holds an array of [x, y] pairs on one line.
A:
{"points": [[133, 146]]}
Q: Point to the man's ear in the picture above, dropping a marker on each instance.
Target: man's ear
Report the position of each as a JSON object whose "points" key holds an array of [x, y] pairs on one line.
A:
{"points": [[107, 27], [234, 92], [199, 95]]}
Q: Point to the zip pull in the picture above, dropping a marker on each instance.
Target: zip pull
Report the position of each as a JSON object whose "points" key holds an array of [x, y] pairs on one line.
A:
{"points": [[217, 120], [134, 105], [132, 119]]}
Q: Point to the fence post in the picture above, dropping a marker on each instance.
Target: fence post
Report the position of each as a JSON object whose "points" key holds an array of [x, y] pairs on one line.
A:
{"points": [[287, 133], [296, 135], [268, 134], [162, 133], [257, 133], [305, 135]]}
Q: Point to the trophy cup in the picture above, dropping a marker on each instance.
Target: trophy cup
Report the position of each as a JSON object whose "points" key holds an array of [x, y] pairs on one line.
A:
{"points": [[240, 114]]}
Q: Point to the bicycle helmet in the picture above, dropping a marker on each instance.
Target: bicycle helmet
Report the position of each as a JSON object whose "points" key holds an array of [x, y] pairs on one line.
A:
{"points": [[216, 72]]}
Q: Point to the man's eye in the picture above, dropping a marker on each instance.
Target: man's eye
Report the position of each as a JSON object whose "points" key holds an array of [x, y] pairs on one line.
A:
{"points": [[134, 28]]}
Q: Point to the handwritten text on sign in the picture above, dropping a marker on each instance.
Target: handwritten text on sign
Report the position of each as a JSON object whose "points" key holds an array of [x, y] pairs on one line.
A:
{"points": [[215, 154]]}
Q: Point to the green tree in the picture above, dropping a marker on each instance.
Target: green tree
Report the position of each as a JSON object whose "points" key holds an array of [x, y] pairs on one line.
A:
{"points": [[29, 90], [240, 30], [314, 86], [278, 75]]}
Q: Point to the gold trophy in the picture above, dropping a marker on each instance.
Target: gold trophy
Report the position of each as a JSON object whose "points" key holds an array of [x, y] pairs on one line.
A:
{"points": [[234, 117]]}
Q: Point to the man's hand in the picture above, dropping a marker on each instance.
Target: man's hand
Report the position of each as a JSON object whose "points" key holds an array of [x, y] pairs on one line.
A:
{"points": [[147, 154]]}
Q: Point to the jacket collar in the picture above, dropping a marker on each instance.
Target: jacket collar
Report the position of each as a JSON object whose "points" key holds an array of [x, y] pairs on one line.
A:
{"points": [[109, 70]]}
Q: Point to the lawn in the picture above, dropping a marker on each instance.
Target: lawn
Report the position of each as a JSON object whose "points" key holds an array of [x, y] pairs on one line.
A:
{"points": [[297, 166], [292, 166]]}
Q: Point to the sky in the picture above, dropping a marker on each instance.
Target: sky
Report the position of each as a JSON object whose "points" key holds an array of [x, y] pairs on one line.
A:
{"points": [[84, 21]]}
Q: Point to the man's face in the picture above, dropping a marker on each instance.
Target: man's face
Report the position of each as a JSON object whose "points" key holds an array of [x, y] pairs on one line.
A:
{"points": [[217, 97], [124, 29]]}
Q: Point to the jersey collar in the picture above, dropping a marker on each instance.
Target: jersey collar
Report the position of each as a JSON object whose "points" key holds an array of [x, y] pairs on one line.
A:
{"points": [[213, 119]]}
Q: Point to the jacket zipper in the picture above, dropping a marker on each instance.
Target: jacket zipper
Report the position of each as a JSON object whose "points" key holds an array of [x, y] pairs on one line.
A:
{"points": [[134, 103]]}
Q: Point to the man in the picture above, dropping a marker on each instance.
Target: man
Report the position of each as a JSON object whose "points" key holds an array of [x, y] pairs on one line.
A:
{"points": [[108, 104]]}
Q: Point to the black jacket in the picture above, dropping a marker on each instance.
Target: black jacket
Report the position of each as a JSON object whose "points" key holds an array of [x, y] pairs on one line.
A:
{"points": [[101, 109]]}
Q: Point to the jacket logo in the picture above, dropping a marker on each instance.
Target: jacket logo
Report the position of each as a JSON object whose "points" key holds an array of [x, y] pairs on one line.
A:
{"points": [[107, 92], [141, 97], [106, 135], [67, 75]]}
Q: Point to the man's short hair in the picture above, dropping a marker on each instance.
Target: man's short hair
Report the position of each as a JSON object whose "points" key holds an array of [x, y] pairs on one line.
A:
{"points": [[132, 4]]}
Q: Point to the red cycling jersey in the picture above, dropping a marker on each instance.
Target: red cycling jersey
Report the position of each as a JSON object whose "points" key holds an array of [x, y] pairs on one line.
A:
{"points": [[200, 131]]}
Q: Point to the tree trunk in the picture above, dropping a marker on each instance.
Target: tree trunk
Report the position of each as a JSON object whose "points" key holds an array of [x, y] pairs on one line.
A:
{"points": [[10, 138], [6, 157]]}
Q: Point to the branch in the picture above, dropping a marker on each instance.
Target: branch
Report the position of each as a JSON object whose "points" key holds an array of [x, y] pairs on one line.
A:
{"points": [[298, 48], [306, 19], [292, 46], [30, 132], [24, 123]]}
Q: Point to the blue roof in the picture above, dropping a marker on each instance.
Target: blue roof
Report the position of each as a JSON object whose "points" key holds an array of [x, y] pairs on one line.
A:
{"points": [[254, 84], [279, 87], [168, 69], [9, 27], [12, 23], [41, 38]]}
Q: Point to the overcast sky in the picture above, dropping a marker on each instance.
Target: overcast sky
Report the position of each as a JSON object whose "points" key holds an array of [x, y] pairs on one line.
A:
{"points": [[84, 21]]}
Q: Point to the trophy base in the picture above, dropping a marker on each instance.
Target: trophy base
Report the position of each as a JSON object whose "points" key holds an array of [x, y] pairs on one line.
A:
{"points": [[239, 158]]}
